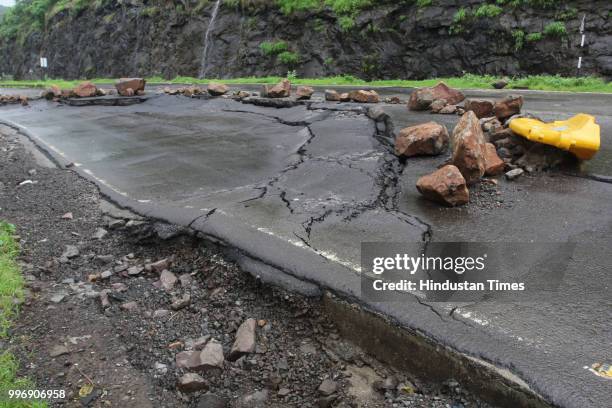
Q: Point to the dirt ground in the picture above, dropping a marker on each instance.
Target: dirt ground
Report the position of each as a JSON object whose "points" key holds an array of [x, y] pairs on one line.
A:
{"points": [[65, 339]]}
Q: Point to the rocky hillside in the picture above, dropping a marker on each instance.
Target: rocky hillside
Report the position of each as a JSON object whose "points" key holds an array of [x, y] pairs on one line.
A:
{"points": [[365, 38]]}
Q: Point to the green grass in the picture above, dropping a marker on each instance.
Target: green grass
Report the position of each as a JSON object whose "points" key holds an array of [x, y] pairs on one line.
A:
{"points": [[11, 288], [468, 81]]}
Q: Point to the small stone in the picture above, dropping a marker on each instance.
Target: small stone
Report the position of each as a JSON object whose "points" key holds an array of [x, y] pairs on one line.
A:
{"points": [[428, 138], [160, 368], [191, 382], [189, 360], [304, 92], [106, 275], [501, 84], [135, 270], [160, 265], [327, 401], [514, 174], [103, 259], [493, 164], [328, 387], [363, 96], [283, 392], [217, 89], [255, 399], [186, 280], [104, 300], [58, 297], [280, 90], [211, 356], [129, 306], [58, 350], [115, 223], [197, 344], [181, 302], [119, 287], [167, 280], [161, 313], [446, 185], [67, 216], [212, 401], [70, 252], [100, 233], [509, 106], [245, 341], [482, 108]]}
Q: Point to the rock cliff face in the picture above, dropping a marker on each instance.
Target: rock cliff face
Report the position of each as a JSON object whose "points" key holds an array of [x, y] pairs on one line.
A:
{"points": [[394, 39]]}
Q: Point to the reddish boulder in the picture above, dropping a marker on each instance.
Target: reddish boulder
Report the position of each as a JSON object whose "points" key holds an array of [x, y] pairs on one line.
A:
{"points": [[510, 105], [448, 110], [445, 185], [421, 99], [280, 90], [493, 164], [428, 138], [136, 84], [362, 96], [85, 90], [304, 92], [345, 97], [128, 92], [217, 89], [52, 92], [468, 147], [483, 108], [331, 95]]}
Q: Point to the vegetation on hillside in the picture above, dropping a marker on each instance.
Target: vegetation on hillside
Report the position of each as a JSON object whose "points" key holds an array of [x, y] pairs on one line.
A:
{"points": [[468, 81]]}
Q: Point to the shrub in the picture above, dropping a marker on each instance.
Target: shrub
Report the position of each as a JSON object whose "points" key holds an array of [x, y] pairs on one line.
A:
{"points": [[459, 18], [288, 58], [273, 48], [532, 37], [346, 23], [555, 29], [519, 39], [424, 3], [488, 10]]}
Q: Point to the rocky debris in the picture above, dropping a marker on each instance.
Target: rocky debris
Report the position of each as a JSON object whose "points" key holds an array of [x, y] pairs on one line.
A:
{"points": [[129, 306], [428, 138], [541, 157], [197, 344], [328, 387], [363, 96], [332, 96], [449, 110], [211, 356], [85, 90], [104, 299], [70, 251], [509, 106], [257, 399], [483, 108], [445, 185], [280, 90], [304, 92], [130, 86], [158, 266], [437, 105], [188, 360], [161, 313], [181, 303], [191, 91], [388, 384], [490, 126], [167, 279], [514, 174], [345, 97], [394, 100], [135, 270], [217, 89], [67, 216], [106, 274], [58, 297], [186, 280], [100, 233], [191, 382], [13, 99], [421, 99], [58, 350], [493, 164], [245, 340], [52, 92], [501, 84], [209, 400], [468, 148]]}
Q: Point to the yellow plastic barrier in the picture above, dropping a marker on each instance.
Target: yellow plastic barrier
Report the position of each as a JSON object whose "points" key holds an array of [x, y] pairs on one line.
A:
{"points": [[578, 135]]}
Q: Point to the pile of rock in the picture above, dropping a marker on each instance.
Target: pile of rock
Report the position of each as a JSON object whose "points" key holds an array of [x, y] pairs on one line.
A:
{"points": [[212, 89], [85, 89], [438, 99], [472, 158], [130, 86], [359, 96], [13, 99]]}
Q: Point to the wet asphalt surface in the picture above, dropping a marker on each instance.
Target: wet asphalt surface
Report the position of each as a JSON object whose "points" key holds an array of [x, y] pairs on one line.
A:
{"points": [[297, 190]]}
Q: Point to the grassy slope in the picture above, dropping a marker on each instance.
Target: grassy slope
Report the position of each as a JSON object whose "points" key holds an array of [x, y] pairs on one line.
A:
{"points": [[11, 288], [540, 82]]}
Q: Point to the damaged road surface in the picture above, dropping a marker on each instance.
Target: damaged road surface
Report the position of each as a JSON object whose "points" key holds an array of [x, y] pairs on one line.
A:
{"points": [[294, 192]]}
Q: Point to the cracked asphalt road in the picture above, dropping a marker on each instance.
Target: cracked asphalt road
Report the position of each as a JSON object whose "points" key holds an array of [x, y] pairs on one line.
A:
{"points": [[295, 191]]}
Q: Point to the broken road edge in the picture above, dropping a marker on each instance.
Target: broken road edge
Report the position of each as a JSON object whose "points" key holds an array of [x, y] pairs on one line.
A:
{"points": [[386, 339]]}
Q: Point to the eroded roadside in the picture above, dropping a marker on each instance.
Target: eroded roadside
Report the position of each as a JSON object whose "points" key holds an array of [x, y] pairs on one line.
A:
{"points": [[65, 338]]}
